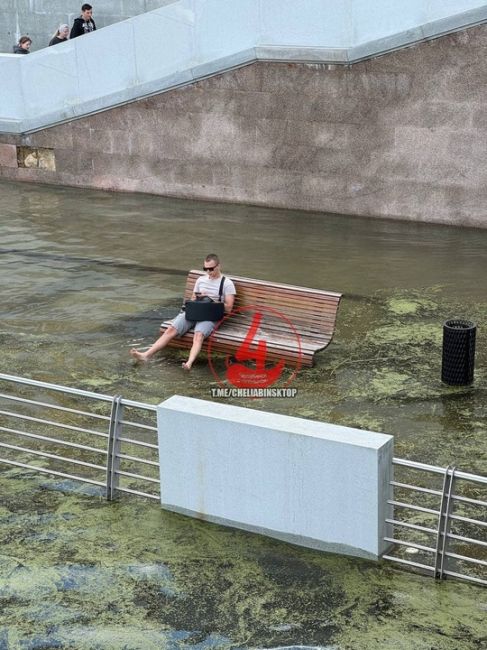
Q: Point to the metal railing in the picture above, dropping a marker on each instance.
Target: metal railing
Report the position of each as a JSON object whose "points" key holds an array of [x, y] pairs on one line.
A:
{"points": [[438, 521], [112, 443], [106, 441]]}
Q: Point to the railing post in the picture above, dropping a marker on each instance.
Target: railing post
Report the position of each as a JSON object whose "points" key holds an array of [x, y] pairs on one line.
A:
{"points": [[444, 522], [113, 450]]}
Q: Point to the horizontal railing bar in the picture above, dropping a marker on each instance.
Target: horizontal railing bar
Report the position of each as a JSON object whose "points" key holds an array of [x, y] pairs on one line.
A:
{"points": [[149, 445], [399, 504], [54, 406], [468, 540], [453, 574], [416, 488], [55, 440], [51, 471], [467, 520], [397, 522], [413, 464], [439, 470], [140, 405], [44, 454], [138, 425], [474, 560], [475, 502], [59, 389], [70, 427], [408, 562], [138, 460], [141, 494], [121, 472], [402, 542], [76, 391]]}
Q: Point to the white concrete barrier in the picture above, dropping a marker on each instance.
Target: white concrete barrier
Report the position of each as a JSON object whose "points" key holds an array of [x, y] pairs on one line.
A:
{"points": [[310, 483]]}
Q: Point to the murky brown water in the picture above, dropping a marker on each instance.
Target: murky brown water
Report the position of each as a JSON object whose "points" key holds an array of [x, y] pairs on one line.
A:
{"points": [[87, 275]]}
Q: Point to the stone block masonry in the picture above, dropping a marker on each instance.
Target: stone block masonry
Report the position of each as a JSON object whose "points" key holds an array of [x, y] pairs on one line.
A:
{"points": [[8, 156], [402, 136]]}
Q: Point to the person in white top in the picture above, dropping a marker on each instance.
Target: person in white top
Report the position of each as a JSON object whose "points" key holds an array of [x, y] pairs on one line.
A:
{"points": [[207, 285]]}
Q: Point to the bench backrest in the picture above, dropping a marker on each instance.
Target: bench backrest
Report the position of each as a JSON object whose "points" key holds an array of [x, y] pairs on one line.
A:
{"points": [[311, 311]]}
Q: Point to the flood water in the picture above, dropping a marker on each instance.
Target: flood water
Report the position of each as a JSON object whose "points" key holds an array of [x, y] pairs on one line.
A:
{"points": [[87, 275]]}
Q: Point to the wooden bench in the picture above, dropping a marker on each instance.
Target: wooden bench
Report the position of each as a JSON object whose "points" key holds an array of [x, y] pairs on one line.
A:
{"points": [[312, 313]]}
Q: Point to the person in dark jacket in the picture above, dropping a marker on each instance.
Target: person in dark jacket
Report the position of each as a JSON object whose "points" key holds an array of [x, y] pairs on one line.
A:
{"points": [[61, 35], [84, 24], [23, 46]]}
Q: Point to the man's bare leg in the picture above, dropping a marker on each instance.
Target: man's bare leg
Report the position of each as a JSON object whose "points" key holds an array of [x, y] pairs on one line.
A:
{"points": [[161, 342], [198, 339]]}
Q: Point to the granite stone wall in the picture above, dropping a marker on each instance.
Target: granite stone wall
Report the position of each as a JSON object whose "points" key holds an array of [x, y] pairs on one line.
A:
{"points": [[400, 136]]}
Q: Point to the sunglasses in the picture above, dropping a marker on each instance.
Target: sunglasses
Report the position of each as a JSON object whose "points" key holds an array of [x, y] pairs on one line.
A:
{"points": [[210, 268]]}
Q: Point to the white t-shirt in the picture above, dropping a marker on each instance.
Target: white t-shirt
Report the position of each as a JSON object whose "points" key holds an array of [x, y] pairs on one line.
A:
{"points": [[211, 287]]}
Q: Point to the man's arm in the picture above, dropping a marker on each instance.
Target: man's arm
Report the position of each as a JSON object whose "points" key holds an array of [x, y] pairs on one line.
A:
{"points": [[229, 300], [196, 290]]}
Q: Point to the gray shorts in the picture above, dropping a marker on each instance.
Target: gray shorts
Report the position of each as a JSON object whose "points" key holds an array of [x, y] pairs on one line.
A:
{"points": [[182, 325]]}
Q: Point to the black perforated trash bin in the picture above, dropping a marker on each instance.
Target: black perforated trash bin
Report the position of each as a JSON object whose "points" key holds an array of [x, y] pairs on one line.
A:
{"points": [[458, 358]]}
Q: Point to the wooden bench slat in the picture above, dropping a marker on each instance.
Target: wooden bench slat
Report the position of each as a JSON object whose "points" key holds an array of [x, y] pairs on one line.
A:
{"points": [[194, 274], [282, 298], [232, 338], [273, 354], [313, 330], [318, 325], [298, 312]]}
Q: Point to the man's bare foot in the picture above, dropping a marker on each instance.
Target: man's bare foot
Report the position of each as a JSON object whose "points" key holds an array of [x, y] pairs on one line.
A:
{"points": [[186, 366], [139, 356]]}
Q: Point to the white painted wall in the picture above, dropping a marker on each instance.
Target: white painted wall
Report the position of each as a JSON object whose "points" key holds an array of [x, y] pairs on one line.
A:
{"points": [[381, 18], [287, 23], [189, 39], [310, 483], [11, 104]]}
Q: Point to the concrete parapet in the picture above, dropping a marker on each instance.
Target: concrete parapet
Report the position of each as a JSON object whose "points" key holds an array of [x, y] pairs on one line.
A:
{"points": [[310, 483]]}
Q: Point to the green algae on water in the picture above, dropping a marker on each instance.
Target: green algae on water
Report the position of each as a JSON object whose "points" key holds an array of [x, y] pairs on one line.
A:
{"points": [[77, 571]]}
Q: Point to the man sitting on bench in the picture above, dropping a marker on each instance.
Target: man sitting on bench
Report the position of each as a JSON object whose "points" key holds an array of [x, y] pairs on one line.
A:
{"points": [[207, 285]]}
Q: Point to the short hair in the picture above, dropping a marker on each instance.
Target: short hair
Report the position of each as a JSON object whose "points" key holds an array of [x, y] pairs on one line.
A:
{"points": [[85, 7], [25, 39], [212, 258]]}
